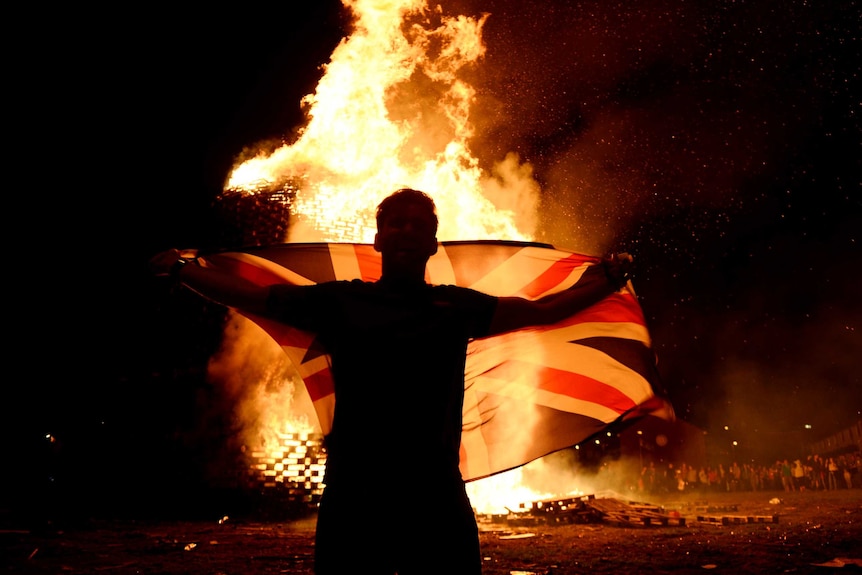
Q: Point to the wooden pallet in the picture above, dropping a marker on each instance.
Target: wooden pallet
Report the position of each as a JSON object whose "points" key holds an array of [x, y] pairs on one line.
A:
{"points": [[633, 513], [737, 519], [713, 509], [555, 511]]}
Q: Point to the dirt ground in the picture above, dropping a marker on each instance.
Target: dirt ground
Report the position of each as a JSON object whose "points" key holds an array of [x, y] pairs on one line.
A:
{"points": [[807, 532]]}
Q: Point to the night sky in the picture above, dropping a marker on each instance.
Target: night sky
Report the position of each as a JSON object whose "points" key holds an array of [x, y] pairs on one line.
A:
{"points": [[720, 145]]}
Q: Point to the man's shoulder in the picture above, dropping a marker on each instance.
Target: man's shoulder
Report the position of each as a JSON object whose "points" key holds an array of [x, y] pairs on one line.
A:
{"points": [[454, 289], [325, 290], [326, 285], [460, 293]]}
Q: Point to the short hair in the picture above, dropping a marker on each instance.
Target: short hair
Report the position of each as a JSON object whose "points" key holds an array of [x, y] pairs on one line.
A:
{"points": [[402, 197]]}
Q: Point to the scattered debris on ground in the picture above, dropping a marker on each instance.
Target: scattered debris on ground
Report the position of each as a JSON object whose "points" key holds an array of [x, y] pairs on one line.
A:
{"points": [[614, 510]]}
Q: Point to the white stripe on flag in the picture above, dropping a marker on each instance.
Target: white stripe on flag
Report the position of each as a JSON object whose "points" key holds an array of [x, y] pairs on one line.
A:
{"points": [[525, 393], [439, 268], [512, 274], [309, 367], [344, 261], [552, 349]]}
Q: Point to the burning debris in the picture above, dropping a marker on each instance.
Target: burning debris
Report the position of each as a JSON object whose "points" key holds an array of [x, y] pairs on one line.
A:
{"points": [[259, 214], [587, 509], [611, 509], [295, 468]]}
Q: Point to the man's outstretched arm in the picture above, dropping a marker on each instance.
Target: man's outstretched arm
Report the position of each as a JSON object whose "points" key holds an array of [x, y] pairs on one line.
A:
{"points": [[215, 285], [597, 282]]}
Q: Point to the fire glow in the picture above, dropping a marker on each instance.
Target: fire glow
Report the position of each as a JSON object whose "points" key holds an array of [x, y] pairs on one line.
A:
{"points": [[386, 115], [392, 110]]}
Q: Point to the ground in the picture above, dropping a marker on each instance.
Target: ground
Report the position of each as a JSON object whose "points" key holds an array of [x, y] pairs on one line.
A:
{"points": [[804, 532]]}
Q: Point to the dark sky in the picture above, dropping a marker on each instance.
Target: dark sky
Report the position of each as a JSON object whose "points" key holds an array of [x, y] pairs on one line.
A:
{"points": [[720, 145]]}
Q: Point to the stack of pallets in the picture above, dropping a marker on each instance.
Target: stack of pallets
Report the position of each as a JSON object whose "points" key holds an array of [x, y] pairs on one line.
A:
{"points": [[554, 511], [728, 515], [737, 519], [294, 468], [632, 513]]}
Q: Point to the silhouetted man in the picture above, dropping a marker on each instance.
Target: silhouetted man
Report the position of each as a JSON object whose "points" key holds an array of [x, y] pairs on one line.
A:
{"points": [[394, 500]]}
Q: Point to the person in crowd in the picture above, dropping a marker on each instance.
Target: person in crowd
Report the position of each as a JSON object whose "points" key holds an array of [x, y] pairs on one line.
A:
{"points": [[815, 472], [798, 472], [703, 478], [832, 473], [398, 349], [856, 459], [735, 476], [787, 475], [723, 481], [846, 470]]}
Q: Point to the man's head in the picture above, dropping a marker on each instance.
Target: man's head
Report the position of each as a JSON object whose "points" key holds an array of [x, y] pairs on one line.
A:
{"points": [[403, 197], [406, 231]]}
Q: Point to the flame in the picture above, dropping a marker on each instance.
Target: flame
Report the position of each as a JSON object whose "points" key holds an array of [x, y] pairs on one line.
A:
{"points": [[385, 115], [505, 493], [392, 110]]}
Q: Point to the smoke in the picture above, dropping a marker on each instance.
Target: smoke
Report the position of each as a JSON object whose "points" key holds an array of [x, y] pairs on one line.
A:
{"points": [[637, 110], [772, 383], [261, 384], [558, 475], [561, 472], [512, 188], [703, 139], [669, 130]]}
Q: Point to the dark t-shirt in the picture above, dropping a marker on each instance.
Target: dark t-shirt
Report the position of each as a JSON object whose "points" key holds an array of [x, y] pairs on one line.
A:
{"points": [[398, 355]]}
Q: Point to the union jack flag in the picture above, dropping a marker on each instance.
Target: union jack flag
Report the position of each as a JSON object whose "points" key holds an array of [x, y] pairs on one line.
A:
{"points": [[528, 393]]}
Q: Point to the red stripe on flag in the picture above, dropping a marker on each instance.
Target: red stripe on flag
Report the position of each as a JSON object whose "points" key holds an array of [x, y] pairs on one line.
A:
{"points": [[319, 385], [586, 388], [244, 269], [370, 266], [617, 307], [554, 275], [565, 383]]}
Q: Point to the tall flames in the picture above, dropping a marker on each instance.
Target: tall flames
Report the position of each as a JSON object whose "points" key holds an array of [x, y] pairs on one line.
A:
{"points": [[392, 110]]}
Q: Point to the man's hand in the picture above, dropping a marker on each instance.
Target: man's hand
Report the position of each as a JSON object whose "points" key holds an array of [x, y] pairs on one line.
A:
{"points": [[161, 263], [167, 262], [618, 268]]}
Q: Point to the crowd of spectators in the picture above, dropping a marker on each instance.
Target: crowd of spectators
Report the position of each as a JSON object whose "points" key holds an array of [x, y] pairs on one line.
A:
{"points": [[809, 473]]}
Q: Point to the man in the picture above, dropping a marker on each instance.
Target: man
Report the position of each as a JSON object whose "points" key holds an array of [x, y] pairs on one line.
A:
{"points": [[394, 500]]}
